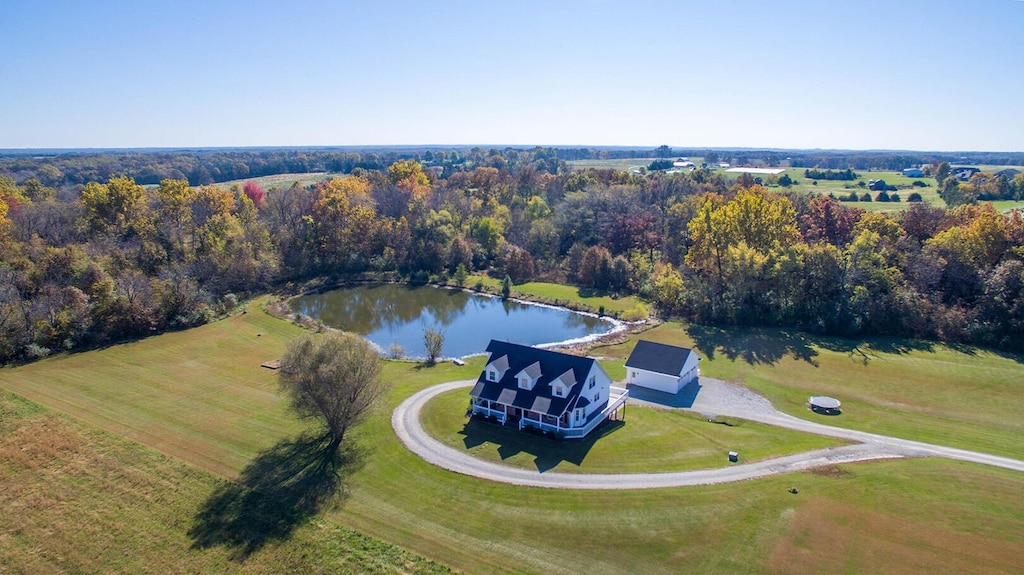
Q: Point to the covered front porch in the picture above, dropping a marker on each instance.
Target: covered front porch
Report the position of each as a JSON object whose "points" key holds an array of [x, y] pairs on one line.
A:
{"points": [[615, 410], [488, 408]]}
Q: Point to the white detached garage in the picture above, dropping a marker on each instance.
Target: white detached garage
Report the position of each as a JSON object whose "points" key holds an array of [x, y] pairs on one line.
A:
{"points": [[661, 367]]}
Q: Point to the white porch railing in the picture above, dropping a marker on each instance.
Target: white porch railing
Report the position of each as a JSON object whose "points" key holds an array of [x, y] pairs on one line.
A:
{"points": [[526, 421], [617, 397], [487, 411]]}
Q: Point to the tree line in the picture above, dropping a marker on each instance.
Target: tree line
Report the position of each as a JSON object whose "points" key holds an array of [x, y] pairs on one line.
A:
{"points": [[981, 186], [211, 166], [86, 264], [216, 165], [816, 174]]}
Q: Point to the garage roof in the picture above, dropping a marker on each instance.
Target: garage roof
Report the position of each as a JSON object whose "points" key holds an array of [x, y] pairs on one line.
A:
{"points": [[658, 357]]}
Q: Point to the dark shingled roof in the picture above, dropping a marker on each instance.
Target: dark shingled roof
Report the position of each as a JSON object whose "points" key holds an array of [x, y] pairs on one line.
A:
{"points": [[658, 357], [540, 398]]}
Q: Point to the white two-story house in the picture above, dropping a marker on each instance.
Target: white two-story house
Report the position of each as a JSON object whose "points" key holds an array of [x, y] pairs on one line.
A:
{"points": [[564, 394]]}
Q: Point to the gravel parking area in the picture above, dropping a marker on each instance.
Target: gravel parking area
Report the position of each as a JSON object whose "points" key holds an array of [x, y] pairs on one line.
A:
{"points": [[717, 397], [710, 397]]}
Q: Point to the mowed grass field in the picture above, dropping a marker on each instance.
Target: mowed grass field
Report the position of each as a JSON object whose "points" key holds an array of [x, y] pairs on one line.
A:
{"points": [[76, 499], [968, 398], [841, 188], [284, 181], [191, 393], [199, 395], [612, 164]]}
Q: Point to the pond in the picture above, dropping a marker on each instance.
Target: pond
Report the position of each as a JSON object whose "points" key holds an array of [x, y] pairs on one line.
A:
{"points": [[397, 314]]}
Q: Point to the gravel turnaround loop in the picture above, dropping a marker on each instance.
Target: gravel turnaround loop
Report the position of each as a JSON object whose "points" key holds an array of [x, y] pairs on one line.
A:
{"points": [[716, 397]]}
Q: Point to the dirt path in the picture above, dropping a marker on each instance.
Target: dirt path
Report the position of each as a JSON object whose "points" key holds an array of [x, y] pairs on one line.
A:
{"points": [[715, 398]]}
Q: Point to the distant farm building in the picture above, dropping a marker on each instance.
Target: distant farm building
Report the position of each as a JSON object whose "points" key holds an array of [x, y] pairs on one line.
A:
{"points": [[1008, 173], [877, 185], [913, 172], [763, 171], [661, 367], [963, 173], [554, 392]]}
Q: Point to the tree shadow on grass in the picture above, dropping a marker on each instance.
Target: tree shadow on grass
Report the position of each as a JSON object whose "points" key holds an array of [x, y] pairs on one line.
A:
{"points": [[769, 345], [900, 346], [586, 292], [274, 494], [547, 452], [754, 346], [865, 348]]}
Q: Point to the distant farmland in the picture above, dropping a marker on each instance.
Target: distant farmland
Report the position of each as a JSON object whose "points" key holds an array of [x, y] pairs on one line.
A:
{"points": [[284, 181], [839, 188], [612, 164]]}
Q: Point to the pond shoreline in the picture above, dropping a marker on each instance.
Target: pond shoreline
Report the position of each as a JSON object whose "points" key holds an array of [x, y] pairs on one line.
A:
{"points": [[620, 330]]}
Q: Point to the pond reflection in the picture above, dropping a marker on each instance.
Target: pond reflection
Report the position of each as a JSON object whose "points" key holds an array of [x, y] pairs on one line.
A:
{"points": [[397, 314]]}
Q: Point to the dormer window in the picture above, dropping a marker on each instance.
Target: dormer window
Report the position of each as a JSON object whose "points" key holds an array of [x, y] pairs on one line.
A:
{"points": [[496, 369], [561, 385], [528, 377]]}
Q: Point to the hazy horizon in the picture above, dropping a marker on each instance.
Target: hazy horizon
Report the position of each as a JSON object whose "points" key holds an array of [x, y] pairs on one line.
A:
{"points": [[359, 147]]}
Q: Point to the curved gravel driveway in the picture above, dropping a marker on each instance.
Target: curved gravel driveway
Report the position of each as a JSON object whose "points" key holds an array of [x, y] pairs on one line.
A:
{"points": [[716, 397]]}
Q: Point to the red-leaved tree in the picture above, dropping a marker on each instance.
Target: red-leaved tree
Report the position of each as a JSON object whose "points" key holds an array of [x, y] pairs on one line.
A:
{"points": [[255, 193]]}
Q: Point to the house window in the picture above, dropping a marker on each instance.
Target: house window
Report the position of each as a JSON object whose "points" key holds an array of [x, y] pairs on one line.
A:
{"points": [[597, 396], [492, 375], [592, 381], [558, 391]]}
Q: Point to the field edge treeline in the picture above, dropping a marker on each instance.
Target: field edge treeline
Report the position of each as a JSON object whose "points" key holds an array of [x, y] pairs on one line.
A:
{"points": [[88, 264]]}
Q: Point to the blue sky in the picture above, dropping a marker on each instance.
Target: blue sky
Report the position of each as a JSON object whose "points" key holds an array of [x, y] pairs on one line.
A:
{"points": [[924, 75]]}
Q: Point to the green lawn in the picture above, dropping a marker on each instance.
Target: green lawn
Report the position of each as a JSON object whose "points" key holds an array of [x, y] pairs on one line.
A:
{"points": [[628, 307], [650, 440], [200, 396], [969, 398]]}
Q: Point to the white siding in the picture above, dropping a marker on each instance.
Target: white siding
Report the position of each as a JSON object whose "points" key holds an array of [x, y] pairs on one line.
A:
{"points": [[602, 383], [651, 380], [662, 382]]}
